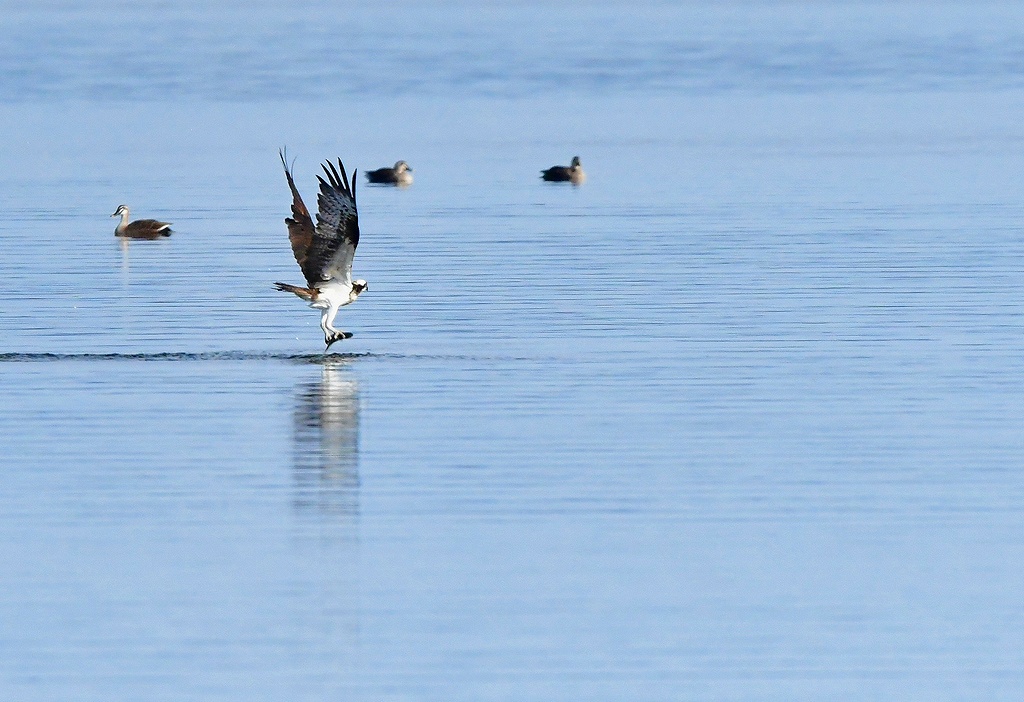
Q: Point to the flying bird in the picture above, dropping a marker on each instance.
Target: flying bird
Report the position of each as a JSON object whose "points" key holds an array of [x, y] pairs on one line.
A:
{"points": [[399, 174], [324, 252], [573, 174], [139, 229]]}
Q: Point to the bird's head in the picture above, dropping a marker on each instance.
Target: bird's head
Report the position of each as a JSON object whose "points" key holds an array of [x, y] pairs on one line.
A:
{"points": [[402, 167], [119, 210], [359, 287], [575, 162]]}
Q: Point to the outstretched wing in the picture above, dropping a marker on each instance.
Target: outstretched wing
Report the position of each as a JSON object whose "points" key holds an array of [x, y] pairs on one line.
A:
{"points": [[300, 227], [329, 257]]}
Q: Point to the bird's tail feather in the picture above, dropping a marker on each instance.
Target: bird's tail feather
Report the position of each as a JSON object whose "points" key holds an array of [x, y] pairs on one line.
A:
{"points": [[305, 293]]}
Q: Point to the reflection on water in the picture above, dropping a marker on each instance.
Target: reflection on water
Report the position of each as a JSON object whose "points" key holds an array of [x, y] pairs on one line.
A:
{"points": [[327, 441], [326, 499], [126, 267]]}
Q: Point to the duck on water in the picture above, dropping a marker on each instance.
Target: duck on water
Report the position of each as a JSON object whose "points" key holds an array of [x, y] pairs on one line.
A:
{"points": [[561, 174], [141, 228], [399, 174]]}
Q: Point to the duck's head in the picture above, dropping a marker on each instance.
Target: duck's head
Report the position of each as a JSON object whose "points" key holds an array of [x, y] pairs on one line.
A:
{"points": [[121, 209], [402, 167]]}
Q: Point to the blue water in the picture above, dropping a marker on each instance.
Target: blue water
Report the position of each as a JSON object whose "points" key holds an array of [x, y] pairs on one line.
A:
{"points": [[739, 418]]}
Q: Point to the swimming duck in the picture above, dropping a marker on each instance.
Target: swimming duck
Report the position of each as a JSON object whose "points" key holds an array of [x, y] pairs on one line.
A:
{"points": [[573, 174], [400, 174], [139, 229]]}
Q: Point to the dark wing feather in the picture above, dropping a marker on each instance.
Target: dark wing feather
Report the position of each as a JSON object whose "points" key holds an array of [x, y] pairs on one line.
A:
{"points": [[381, 175], [337, 227], [147, 229], [148, 224], [555, 173], [300, 228]]}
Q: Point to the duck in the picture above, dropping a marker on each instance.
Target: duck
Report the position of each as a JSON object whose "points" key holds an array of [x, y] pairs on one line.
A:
{"points": [[139, 229], [573, 174], [399, 174]]}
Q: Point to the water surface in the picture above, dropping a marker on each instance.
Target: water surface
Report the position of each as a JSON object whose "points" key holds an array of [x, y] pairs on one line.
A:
{"points": [[739, 418]]}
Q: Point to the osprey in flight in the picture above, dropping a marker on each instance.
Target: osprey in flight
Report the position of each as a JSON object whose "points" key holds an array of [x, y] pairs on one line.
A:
{"points": [[325, 252]]}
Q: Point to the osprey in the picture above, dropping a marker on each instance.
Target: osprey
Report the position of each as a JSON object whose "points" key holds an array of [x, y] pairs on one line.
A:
{"points": [[324, 252]]}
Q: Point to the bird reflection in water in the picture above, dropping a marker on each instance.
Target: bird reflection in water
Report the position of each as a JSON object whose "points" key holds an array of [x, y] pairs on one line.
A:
{"points": [[124, 245], [326, 502], [327, 442]]}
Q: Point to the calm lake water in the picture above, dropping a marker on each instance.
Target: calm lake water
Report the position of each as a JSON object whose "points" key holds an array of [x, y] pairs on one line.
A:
{"points": [[740, 418]]}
